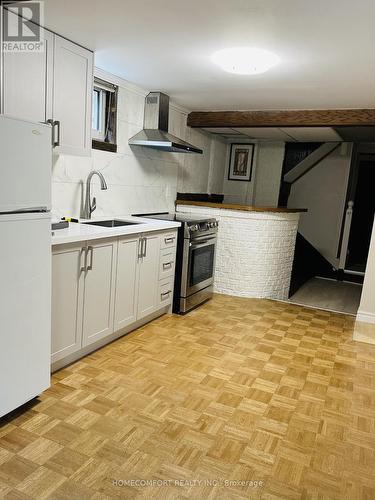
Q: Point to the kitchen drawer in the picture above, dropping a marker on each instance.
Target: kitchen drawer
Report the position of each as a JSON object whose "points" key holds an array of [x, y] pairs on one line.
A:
{"points": [[167, 263], [168, 240], [165, 292]]}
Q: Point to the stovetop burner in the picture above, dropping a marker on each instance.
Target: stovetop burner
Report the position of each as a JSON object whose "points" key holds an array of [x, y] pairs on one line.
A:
{"points": [[192, 225], [175, 216]]}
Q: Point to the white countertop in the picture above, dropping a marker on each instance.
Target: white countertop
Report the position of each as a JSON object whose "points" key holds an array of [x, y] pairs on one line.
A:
{"points": [[83, 232]]}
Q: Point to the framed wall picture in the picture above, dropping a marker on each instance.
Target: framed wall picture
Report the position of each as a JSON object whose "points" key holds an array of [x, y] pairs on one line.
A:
{"points": [[241, 162]]}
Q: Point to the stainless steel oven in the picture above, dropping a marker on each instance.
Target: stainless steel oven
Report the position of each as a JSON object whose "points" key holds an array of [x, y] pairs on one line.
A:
{"points": [[195, 259], [198, 264]]}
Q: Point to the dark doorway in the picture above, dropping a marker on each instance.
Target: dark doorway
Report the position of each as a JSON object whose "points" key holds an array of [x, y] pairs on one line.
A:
{"points": [[363, 192]]}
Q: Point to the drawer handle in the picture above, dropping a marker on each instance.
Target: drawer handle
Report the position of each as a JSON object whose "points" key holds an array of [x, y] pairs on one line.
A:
{"points": [[167, 265], [169, 240], [165, 294]]}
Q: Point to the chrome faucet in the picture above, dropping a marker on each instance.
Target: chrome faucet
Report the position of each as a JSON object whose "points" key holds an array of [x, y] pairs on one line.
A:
{"points": [[90, 206]]}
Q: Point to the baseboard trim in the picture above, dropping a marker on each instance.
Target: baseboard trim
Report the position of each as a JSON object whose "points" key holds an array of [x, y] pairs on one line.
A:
{"points": [[365, 317]]}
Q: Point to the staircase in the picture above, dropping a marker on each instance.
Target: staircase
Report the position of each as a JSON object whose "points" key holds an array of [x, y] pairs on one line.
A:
{"points": [[308, 263], [310, 161]]}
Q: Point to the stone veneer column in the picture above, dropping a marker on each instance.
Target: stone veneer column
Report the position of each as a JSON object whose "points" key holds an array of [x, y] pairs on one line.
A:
{"points": [[255, 251]]}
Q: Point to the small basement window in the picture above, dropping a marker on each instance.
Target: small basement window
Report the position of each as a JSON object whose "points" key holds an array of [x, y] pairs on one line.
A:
{"points": [[104, 115]]}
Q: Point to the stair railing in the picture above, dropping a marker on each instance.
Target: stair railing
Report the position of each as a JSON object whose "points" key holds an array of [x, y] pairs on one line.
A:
{"points": [[346, 234]]}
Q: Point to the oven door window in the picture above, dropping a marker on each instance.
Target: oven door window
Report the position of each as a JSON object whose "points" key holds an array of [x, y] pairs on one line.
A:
{"points": [[201, 264]]}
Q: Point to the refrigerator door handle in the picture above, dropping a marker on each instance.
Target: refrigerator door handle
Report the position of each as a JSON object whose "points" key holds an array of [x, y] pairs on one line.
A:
{"points": [[26, 210]]}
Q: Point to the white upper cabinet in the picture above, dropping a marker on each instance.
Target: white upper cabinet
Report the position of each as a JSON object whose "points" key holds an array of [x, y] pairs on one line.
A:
{"points": [[72, 97], [54, 85], [27, 82]]}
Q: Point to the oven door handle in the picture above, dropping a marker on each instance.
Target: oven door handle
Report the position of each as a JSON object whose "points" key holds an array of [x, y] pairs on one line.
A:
{"points": [[204, 243], [210, 236]]}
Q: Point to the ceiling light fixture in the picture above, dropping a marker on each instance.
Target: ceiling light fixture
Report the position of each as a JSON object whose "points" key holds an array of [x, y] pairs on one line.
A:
{"points": [[245, 60]]}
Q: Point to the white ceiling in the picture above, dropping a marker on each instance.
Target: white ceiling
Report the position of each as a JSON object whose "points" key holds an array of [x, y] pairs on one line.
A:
{"points": [[288, 134], [326, 48]]}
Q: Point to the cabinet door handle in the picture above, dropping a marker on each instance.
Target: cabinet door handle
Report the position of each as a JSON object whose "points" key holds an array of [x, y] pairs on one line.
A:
{"points": [[51, 122], [164, 294], [169, 240], [91, 250], [167, 265], [84, 267], [140, 247], [56, 126], [145, 250]]}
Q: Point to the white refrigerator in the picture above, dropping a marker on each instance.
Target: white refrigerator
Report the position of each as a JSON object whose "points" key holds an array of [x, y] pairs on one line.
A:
{"points": [[25, 261]]}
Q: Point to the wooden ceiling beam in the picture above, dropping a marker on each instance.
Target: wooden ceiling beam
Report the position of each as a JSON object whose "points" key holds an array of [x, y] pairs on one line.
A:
{"points": [[283, 118]]}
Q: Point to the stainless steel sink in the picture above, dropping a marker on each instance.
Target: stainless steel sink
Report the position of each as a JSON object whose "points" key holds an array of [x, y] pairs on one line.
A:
{"points": [[111, 223]]}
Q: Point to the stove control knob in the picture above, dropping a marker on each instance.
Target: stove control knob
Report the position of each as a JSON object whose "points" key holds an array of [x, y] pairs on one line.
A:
{"points": [[194, 228]]}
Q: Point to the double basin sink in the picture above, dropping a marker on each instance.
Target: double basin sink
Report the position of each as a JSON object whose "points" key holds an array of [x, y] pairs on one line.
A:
{"points": [[111, 223]]}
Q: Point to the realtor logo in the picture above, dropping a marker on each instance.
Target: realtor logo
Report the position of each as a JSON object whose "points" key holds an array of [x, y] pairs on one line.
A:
{"points": [[21, 26]]}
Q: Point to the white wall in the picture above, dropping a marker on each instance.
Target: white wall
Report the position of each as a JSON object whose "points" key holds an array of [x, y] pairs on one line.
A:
{"points": [[263, 190], [322, 191], [218, 162], [268, 173], [366, 311], [139, 179], [201, 173]]}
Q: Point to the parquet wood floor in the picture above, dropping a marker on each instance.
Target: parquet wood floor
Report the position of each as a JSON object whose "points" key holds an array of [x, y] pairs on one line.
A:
{"points": [[239, 389]]}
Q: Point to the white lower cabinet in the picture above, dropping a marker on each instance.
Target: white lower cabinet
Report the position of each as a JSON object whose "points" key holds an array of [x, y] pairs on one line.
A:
{"points": [[126, 282], [137, 283], [99, 290], [67, 300], [148, 276], [104, 286], [165, 292], [167, 263]]}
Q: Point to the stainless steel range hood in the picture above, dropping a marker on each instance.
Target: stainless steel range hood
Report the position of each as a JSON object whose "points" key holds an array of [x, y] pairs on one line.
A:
{"points": [[155, 128]]}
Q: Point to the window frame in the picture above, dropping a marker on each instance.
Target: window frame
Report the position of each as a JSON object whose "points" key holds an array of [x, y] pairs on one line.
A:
{"points": [[104, 138], [99, 134]]}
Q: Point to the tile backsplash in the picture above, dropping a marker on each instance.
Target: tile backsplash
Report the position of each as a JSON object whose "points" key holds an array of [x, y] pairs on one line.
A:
{"points": [[139, 179]]}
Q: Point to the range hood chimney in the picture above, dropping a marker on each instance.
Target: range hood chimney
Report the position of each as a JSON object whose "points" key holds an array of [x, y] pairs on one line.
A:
{"points": [[155, 128]]}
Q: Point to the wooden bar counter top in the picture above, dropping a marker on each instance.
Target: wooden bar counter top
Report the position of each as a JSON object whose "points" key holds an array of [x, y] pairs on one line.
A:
{"points": [[246, 208]]}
